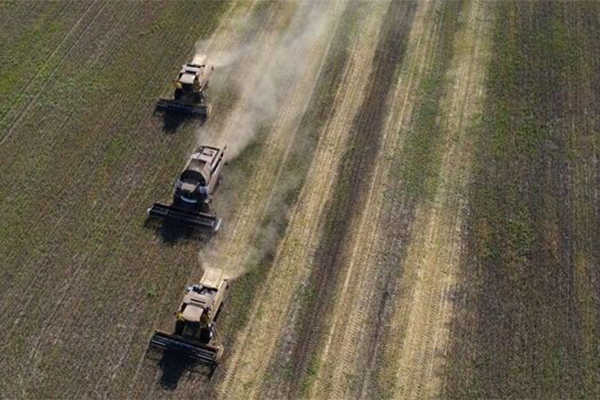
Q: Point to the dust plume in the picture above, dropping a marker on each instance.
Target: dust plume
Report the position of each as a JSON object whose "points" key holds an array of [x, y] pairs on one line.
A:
{"points": [[260, 73]]}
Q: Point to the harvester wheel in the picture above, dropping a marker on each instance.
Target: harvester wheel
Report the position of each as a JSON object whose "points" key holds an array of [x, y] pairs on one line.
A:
{"points": [[207, 334], [179, 325]]}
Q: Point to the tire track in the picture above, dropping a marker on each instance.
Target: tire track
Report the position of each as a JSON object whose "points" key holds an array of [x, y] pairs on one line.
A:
{"points": [[26, 108], [25, 45], [276, 294], [149, 80], [41, 275], [434, 252], [346, 201], [25, 15], [349, 341], [277, 149]]}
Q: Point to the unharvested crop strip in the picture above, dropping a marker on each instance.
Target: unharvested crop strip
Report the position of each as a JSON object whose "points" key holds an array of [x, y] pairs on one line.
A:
{"points": [[46, 79], [103, 259], [526, 287]]}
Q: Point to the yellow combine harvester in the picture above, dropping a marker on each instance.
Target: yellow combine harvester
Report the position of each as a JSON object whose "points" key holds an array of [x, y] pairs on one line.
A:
{"points": [[193, 191], [195, 329], [190, 84]]}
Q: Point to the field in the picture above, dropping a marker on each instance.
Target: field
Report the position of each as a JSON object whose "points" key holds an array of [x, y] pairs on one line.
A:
{"points": [[411, 205]]}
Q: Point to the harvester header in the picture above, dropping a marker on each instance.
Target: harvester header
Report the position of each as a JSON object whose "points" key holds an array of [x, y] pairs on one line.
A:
{"points": [[189, 97], [195, 328]]}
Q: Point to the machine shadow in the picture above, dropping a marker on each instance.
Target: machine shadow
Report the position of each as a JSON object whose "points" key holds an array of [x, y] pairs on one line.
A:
{"points": [[172, 121], [173, 366], [171, 233]]}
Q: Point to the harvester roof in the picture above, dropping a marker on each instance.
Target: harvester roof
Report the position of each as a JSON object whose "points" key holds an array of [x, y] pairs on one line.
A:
{"points": [[187, 79], [196, 168]]}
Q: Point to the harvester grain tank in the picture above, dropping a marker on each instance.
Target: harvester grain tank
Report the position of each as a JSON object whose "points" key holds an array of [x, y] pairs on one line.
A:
{"points": [[189, 97], [195, 330], [193, 191]]}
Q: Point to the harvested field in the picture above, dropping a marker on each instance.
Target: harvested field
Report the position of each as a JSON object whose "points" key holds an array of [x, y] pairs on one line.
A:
{"points": [[410, 203]]}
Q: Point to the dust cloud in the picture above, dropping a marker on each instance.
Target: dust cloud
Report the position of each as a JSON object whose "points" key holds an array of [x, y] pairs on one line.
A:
{"points": [[259, 73]]}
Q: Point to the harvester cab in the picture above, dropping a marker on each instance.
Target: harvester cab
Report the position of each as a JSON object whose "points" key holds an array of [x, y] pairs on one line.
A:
{"points": [[193, 191], [189, 97], [195, 322]]}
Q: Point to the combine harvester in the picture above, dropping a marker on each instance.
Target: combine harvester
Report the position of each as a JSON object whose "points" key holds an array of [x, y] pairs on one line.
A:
{"points": [[193, 191], [195, 329], [189, 95]]}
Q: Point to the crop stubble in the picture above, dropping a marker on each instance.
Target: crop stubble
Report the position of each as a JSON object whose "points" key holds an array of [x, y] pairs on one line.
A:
{"points": [[246, 216], [433, 253], [351, 355], [288, 266]]}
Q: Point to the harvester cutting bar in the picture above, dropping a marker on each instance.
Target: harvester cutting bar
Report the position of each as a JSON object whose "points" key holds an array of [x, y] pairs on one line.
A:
{"points": [[197, 351], [195, 220], [175, 106]]}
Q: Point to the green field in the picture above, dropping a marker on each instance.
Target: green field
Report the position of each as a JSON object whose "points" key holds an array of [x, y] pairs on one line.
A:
{"points": [[410, 206]]}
